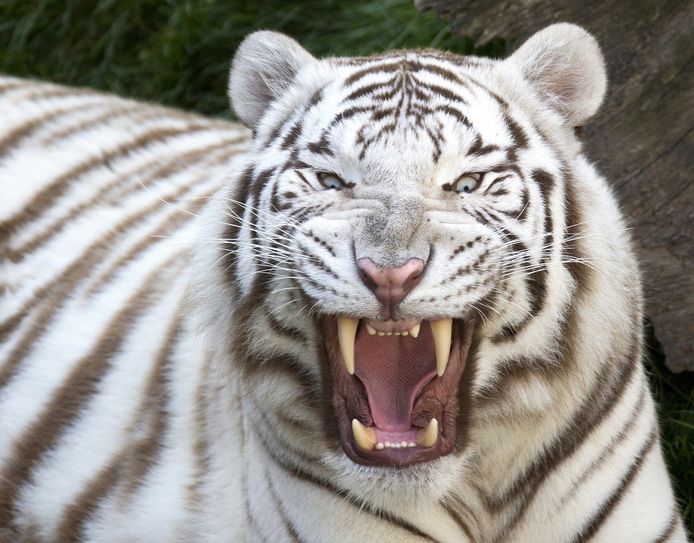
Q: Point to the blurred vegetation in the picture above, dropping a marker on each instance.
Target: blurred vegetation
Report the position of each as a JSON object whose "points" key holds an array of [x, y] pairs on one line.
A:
{"points": [[178, 53], [674, 394]]}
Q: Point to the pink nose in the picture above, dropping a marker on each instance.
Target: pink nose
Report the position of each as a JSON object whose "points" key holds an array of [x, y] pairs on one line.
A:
{"points": [[391, 285]]}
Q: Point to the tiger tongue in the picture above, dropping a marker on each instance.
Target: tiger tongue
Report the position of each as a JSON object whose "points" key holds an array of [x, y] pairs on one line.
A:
{"points": [[393, 369]]}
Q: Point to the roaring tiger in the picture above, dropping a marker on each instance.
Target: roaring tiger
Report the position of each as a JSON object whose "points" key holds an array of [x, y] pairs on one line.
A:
{"points": [[405, 307]]}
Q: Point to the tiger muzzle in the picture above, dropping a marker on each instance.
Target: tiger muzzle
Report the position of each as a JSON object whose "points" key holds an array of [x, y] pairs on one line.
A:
{"points": [[390, 285]]}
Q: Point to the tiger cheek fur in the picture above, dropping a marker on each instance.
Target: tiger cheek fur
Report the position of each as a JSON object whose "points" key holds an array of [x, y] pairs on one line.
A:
{"points": [[410, 311]]}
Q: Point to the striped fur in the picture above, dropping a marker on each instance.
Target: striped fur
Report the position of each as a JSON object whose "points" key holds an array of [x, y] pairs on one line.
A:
{"points": [[163, 276]]}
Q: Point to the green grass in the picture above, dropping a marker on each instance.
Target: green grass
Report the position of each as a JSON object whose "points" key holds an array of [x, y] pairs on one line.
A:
{"points": [[178, 53], [675, 397]]}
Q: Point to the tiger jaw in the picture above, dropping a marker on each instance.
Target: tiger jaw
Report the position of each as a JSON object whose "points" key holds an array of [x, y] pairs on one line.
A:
{"points": [[395, 386]]}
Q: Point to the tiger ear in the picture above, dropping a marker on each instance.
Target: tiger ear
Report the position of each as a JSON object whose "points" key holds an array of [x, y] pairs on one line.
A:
{"points": [[264, 66], [564, 65]]}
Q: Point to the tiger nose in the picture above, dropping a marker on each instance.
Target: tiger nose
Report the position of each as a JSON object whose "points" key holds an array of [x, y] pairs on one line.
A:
{"points": [[391, 285]]}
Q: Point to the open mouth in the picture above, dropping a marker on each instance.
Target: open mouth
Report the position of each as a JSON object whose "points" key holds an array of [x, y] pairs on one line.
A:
{"points": [[395, 386]]}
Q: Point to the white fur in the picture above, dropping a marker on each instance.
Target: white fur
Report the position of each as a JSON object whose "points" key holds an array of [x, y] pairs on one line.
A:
{"points": [[247, 485]]}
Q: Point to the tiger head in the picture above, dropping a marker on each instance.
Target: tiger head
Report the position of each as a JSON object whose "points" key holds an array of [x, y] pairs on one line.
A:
{"points": [[407, 218]]}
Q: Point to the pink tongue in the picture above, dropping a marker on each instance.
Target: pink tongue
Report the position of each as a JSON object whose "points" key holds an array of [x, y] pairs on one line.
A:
{"points": [[393, 369]]}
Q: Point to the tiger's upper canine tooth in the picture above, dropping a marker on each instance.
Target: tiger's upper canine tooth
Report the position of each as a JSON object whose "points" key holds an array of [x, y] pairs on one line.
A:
{"points": [[364, 437], [428, 436], [442, 331], [414, 331], [346, 331]]}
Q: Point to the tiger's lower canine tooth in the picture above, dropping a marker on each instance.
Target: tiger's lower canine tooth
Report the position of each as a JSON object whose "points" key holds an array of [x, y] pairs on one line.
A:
{"points": [[346, 331], [442, 331], [363, 436], [430, 435]]}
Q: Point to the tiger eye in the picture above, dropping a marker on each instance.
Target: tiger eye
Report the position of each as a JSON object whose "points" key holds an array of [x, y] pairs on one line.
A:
{"points": [[331, 181], [466, 183]]}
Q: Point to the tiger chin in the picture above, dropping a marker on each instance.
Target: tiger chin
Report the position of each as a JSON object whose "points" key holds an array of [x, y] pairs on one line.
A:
{"points": [[402, 306]]}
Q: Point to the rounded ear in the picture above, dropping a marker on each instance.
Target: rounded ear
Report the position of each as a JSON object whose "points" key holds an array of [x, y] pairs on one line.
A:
{"points": [[564, 65], [263, 68]]}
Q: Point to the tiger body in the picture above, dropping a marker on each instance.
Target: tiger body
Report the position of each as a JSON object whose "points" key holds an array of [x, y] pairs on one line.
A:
{"points": [[164, 278]]}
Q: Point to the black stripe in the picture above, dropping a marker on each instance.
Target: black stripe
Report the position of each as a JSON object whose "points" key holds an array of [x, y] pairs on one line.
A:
{"points": [[285, 329], [278, 129], [68, 401], [201, 441], [375, 68], [609, 449], [175, 220], [349, 113], [607, 391], [573, 231], [252, 522], [370, 89], [511, 372], [454, 512], [43, 91], [478, 148], [46, 197], [292, 135], [315, 262], [605, 509], [17, 135], [360, 507], [322, 146], [405, 65], [163, 169], [80, 509], [608, 388], [547, 183], [304, 180], [497, 180], [670, 527], [439, 90], [256, 366], [250, 222], [138, 114], [53, 294], [499, 100], [536, 281], [453, 112], [14, 84], [322, 243], [103, 118], [144, 453], [288, 524], [440, 71], [520, 138], [232, 233]]}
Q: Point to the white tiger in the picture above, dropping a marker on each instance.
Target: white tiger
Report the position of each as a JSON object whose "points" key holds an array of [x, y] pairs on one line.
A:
{"points": [[405, 309]]}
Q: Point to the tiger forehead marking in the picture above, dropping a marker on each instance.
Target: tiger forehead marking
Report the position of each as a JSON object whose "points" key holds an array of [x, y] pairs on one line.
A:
{"points": [[402, 307], [390, 102], [401, 101]]}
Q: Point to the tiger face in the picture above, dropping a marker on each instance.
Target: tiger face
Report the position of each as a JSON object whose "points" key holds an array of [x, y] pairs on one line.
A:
{"points": [[416, 204]]}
